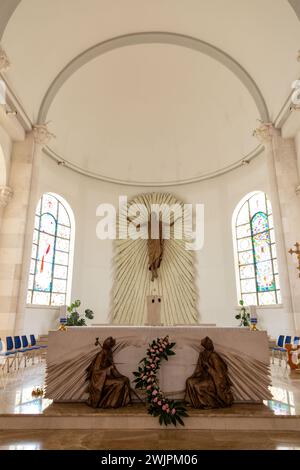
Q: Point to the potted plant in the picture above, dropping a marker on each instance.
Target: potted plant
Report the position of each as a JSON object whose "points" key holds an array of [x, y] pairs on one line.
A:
{"points": [[243, 315], [74, 318]]}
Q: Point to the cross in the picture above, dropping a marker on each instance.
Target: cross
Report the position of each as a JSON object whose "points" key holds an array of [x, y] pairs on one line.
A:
{"points": [[296, 252]]}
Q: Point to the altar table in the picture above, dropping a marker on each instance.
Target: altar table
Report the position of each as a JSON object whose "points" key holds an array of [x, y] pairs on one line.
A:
{"points": [[70, 353]]}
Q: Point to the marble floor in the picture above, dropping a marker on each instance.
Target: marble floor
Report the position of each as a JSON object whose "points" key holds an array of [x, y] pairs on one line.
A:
{"points": [[172, 439], [16, 398]]}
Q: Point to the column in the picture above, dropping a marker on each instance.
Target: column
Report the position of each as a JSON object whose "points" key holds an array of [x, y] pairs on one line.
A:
{"points": [[12, 232], [283, 181], [17, 222], [41, 137], [6, 194]]}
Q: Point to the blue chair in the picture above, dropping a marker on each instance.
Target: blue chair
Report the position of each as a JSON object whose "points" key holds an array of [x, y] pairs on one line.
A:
{"points": [[5, 357], [33, 343], [279, 348], [9, 343], [10, 354], [30, 350], [21, 351], [288, 340], [25, 344], [296, 340]]}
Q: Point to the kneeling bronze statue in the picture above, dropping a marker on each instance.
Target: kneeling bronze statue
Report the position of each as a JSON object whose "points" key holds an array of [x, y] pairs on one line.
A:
{"points": [[107, 387], [209, 386]]}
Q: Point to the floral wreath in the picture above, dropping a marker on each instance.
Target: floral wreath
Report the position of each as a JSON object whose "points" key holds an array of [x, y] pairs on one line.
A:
{"points": [[168, 411]]}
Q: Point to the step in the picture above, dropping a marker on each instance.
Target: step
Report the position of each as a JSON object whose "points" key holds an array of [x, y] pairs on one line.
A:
{"points": [[80, 416]]}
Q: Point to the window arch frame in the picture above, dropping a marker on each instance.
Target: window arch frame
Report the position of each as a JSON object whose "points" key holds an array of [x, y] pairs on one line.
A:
{"points": [[270, 231], [31, 287]]}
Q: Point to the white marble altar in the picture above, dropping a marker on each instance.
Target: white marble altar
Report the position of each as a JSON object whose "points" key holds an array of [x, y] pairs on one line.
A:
{"points": [[70, 352]]}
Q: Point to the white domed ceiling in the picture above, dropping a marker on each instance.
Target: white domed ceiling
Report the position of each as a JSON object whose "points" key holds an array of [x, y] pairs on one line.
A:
{"points": [[174, 99], [153, 113]]}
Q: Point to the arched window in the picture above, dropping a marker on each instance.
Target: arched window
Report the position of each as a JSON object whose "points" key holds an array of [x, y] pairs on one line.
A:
{"points": [[255, 250], [50, 268]]}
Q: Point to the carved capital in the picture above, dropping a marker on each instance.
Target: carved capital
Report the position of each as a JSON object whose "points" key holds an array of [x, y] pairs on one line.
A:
{"points": [[6, 194], [4, 60], [41, 134], [264, 132]]}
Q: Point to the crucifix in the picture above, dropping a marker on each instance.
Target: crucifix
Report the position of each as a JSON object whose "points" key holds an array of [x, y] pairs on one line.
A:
{"points": [[155, 243], [296, 252]]}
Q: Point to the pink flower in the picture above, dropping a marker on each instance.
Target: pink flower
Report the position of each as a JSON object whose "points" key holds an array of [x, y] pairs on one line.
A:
{"points": [[149, 380], [152, 365], [161, 349], [155, 399], [173, 411], [156, 359], [165, 407], [154, 392], [152, 350], [150, 361], [159, 403], [149, 387]]}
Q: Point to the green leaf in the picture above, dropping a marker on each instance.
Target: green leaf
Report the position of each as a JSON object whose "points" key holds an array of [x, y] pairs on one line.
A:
{"points": [[179, 420], [171, 353], [173, 419]]}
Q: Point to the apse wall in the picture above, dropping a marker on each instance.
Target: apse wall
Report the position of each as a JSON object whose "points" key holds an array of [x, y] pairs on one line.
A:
{"points": [[216, 282]]}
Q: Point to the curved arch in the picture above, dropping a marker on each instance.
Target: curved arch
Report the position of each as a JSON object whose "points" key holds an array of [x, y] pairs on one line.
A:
{"points": [[205, 176], [153, 37], [295, 6], [7, 9]]}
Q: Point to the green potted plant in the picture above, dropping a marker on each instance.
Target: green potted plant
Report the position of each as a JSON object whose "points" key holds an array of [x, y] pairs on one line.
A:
{"points": [[243, 315], [74, 318]]}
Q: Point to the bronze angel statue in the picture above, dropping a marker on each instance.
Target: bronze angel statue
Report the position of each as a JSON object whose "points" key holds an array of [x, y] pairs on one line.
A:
{"points": [[210, 385], [107, 387]]}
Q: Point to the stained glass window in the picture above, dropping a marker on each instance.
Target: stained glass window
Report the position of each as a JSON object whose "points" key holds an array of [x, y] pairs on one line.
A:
{"points": [[256, 252], [48, 278]]}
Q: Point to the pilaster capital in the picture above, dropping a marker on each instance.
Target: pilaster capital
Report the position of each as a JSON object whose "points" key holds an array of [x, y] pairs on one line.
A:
{"points": [[41, 134], [265, 132], [4, 60], [6, 194]]}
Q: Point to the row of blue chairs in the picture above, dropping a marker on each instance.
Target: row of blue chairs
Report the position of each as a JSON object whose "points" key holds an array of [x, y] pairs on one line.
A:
{"points": [[280, 348], [18, 348]]}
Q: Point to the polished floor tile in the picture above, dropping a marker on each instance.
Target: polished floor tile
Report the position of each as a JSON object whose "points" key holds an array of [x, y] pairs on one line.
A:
{"points": [[16, 398], [143, 440]]}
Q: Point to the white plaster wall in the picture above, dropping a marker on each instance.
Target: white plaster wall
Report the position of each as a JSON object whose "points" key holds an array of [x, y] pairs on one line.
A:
{"points": [[39, 320], [92, 277]]}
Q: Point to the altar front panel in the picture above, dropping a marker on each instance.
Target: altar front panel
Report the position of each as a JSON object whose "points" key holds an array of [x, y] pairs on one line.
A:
{"points": [[70, 352]]}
